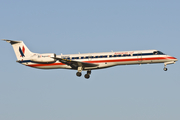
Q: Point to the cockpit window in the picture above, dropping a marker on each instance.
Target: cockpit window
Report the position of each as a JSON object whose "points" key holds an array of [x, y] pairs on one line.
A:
{"points": [[158, 53], [155, 52]]}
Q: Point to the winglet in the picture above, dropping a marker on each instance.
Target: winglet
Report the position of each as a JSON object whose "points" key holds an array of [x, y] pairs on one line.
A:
{"points": [[11, 41]]}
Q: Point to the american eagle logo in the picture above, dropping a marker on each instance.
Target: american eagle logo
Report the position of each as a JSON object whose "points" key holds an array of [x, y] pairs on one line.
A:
{"points": [[22, 51]]}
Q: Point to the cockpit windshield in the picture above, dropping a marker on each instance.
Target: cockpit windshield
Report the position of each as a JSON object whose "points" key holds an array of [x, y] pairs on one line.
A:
{"points": [[158, 53]]}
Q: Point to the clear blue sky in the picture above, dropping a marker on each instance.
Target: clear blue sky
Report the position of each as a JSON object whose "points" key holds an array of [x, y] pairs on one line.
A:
{"points": [[135, 92]]}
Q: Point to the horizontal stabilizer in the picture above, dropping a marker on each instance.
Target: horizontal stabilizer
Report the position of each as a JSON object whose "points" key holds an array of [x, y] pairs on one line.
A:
{"points": [[11, 41]]}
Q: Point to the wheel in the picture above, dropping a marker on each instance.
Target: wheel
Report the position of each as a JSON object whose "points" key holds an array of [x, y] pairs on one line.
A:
{"points": [[87, 76], [78, 74], [165, 69]]}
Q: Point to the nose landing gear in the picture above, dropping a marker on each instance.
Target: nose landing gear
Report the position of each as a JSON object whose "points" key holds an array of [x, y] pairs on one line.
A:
{"points": [[165, 69], [167, 63]]}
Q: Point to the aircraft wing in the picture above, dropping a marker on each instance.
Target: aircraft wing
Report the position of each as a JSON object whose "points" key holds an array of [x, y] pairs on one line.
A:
{"points": [[75, 64]]}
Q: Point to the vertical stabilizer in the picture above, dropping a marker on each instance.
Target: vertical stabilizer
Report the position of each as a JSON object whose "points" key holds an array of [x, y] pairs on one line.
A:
{"points": [[20, 49]]}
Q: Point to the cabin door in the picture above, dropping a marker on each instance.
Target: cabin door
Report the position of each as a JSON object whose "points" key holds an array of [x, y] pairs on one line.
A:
{"points": [[139, 57], [90, 58]]}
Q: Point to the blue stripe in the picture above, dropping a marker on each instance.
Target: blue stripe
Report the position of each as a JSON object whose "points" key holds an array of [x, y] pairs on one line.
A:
{"points": [[24, 61], [22, 54], [143, 54]]}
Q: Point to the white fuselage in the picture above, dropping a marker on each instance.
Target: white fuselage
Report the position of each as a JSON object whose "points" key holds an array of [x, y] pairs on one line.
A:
{"points": [[89, 61], [107, 59]]}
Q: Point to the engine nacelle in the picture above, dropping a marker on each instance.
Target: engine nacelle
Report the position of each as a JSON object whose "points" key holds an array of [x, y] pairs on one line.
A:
{"points": [[43, 58]]}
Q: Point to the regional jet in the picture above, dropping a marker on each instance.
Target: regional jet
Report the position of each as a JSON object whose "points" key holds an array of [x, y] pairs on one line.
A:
{"points": [[89, 61]]}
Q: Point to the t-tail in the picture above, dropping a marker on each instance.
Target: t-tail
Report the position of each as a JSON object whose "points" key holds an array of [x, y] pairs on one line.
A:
{"points": [[20, 49], [24, 55]]}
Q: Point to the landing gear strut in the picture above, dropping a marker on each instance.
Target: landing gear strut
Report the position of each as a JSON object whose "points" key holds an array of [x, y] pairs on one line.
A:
{"points": [[87, 76], [79, 72], [167, 63], [165, 69]]}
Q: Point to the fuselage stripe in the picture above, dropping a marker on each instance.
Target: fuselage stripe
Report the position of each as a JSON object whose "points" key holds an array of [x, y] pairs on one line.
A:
{"points": [[108, 61]]}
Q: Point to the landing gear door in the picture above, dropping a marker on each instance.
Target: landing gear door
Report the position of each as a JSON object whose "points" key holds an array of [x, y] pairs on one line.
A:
{"points": [[139, 57]]}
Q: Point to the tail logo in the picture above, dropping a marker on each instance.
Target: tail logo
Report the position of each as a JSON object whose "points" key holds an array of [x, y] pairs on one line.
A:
{"points": [[22, 51]]}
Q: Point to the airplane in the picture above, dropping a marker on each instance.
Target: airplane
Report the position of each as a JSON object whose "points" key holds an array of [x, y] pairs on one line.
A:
{"points": [[88, 61]]}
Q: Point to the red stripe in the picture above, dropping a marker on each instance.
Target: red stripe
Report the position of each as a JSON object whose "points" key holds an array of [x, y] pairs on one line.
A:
{"points": [[135, 59], [23, 49], [102, 61], [52, 64]]}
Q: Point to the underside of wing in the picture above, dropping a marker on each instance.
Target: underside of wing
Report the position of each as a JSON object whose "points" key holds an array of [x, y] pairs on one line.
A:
{"points": [[76, 64]]}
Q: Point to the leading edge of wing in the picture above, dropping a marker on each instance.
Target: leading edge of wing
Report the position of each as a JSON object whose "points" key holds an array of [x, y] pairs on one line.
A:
{"points": [[78, 63]]}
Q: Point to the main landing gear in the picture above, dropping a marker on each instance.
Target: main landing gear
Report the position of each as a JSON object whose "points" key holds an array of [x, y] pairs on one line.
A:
{"points": [[78, 74], [87, 76]]}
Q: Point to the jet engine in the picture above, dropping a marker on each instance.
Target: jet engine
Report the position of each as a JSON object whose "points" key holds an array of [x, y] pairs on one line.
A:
{"points": [[43, 58]]}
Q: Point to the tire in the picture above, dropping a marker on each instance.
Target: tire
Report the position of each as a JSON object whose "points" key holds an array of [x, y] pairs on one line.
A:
{"points": [[78, 74], [165, 69], [87, 76]]}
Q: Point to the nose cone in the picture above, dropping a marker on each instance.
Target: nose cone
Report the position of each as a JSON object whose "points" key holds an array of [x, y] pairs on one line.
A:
{"points": [[175, 59]]}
